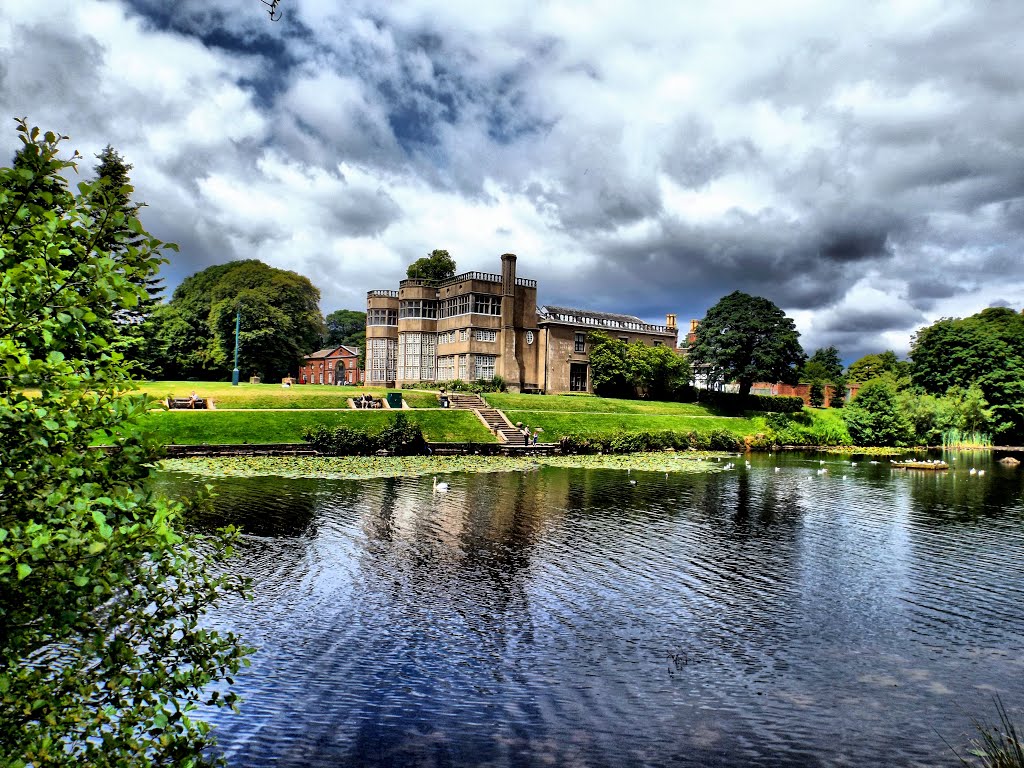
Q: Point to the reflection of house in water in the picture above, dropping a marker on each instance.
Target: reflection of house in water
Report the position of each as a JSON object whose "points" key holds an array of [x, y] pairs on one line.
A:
{"points": [[448, 553], [478, 325]]}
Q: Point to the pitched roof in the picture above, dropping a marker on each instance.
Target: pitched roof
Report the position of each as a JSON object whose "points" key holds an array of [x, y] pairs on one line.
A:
{"points": [[332, 352], [599, 319]]}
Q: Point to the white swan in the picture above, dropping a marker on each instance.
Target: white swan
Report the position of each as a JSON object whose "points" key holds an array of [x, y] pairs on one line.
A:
{"points": [[439, 487]]}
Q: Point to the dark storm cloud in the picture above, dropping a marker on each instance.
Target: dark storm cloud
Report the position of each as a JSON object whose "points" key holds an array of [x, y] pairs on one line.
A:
{"points": [[695, 156], [363, 213], [867, 320], [36, 66]]}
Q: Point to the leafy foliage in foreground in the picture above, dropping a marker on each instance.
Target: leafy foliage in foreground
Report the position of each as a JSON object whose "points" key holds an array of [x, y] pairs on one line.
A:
{"points": [[102, 650], [997, 746], [874, 417], [986, 349]]}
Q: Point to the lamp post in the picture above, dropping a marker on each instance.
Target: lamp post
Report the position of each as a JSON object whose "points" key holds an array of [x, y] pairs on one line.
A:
{"points": [[238, 327]]}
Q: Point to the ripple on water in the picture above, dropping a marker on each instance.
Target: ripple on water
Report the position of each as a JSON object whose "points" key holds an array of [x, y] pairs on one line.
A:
{"points": [[566, 617]]}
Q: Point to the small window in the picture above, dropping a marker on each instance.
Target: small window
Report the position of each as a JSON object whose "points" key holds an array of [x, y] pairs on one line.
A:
{"points": [[624, 339], [581, 345], [529, 337]]}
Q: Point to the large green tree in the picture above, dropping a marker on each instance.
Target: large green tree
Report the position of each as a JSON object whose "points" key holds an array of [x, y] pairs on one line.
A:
{"points": [[102, 651], [437, 265], [346, 326], [878, 364], [632, 370], [280, 321], [746, 339]]}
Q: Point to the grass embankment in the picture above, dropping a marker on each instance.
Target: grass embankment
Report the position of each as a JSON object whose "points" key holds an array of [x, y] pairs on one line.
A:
{"points": [[274, 414], [560, 415], [254, 426]]}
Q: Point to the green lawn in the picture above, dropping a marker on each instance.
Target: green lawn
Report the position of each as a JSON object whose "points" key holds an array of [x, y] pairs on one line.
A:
{"points": [[589, 404], [226, 427], [420, 399], [557, 424]]}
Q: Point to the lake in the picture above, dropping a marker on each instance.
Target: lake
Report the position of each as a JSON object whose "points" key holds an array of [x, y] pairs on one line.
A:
{"points": [[771, 615]]}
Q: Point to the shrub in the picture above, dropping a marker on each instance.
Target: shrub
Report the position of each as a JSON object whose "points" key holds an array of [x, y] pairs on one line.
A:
{"points": [[816, 395], [400, 438], [732, 402]]}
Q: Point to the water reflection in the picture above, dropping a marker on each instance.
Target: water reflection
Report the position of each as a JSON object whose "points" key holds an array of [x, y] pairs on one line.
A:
{"points": [[569, 617]]}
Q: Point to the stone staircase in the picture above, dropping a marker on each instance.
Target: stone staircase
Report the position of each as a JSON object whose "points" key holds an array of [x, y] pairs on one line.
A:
{"points": [[492, 417], [465, 400]]}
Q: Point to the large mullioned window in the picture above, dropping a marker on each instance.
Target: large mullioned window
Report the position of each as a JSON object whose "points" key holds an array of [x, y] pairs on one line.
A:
{"points": [[484, 366], [381, 358], [446, 368], [413, 308], [382, 317], [480, 304], [417, 356]]}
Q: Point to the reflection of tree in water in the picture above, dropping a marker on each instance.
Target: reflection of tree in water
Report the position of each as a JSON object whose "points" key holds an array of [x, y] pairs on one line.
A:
{"points": [[955, 497], [258, 506]]}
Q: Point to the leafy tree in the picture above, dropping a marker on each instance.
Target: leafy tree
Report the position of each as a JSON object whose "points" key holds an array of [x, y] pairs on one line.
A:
{"points": [[626, 370], [346, 326], [823, 366], [281, 321], [102, 655], [609, 367], [670, 374], [875, 418], [874, 365], [437, 265], [746, 339], [817, 394]]}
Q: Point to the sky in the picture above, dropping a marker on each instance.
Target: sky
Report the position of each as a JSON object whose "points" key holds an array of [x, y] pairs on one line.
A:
{"points": [[860, 164]]}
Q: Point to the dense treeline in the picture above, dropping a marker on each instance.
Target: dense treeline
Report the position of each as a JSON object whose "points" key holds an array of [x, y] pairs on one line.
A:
{"points": [[964, 383]]}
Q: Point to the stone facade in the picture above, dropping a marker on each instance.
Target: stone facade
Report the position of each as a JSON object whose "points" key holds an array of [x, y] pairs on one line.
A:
{"points": [[479, 325]]}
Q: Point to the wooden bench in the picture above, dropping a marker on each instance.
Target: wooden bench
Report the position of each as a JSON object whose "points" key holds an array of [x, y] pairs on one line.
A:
{"points": [[186, 402]]}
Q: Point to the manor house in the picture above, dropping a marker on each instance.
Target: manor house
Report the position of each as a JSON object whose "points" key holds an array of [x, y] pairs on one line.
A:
{"points": [[479, 325]]}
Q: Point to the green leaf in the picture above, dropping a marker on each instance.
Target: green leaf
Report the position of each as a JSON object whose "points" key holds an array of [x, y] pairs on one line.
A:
{"points": [[23, 570]]}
